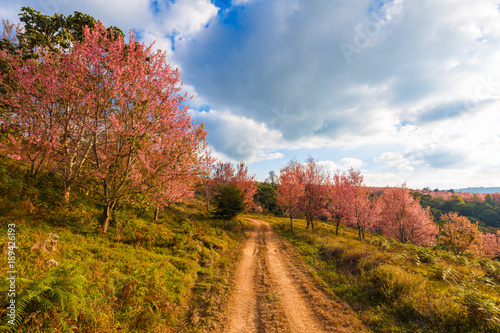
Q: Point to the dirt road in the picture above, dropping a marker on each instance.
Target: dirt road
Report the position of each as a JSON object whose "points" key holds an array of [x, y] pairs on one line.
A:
{"points": [[272, 294]]}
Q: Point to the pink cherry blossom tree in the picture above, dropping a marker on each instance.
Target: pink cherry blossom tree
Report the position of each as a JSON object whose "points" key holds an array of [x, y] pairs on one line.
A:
{"points": [[402, 218], [172, 171], [290, 189], [52, 99], [315, 191], [355, 207], [107, 115], [143, 123], [335, 206], [491, 245]]}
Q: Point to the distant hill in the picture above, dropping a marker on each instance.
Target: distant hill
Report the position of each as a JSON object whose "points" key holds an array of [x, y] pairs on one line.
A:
{"points": [[478, 189]]}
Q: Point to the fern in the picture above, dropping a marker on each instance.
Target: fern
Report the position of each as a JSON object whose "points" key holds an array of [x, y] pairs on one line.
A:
{"points": [[58, 294]]}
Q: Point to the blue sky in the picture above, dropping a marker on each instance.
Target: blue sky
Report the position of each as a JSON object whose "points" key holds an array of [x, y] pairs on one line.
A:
{"points": [[404, 90]]}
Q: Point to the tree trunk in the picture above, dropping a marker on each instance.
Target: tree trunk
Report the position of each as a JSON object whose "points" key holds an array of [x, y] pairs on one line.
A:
{"points": [[66, 192], [337, 228], [312, 224], [157, 211], [33, 169], [106, 216]]}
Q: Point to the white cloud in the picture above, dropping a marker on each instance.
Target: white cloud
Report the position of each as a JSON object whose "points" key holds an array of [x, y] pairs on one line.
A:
{"points": [[240, 138], [422, 89], [389, 157], [330, 166], [186, 17], [349, 162], [344, 164], [302, 68]]}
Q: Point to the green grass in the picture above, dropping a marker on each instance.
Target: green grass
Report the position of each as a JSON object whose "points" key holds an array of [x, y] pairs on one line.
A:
{"points": [[397, 287], [142, 276], [173, 275]]}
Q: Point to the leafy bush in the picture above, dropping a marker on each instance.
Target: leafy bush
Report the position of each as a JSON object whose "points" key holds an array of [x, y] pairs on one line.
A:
{"points": [[229, 202], [391, 282]]}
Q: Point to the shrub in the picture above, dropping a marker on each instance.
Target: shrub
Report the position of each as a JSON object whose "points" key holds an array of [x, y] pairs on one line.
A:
{"points": [[390, 282], [229, 202]]}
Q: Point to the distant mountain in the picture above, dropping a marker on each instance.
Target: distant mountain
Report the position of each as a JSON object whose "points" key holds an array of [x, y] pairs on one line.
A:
{"points": [[478, 189]]}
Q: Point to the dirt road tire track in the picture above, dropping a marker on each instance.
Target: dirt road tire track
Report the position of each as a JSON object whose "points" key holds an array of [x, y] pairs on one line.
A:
{"points": [[272, 295], [243, 308]]}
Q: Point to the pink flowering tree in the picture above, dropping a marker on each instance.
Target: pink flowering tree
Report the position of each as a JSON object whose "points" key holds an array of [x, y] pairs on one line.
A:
{"points": [[107, 115], [51, 100], [315, 191], [142, 125], [171, 172], [402, 218], [491, 245], [246, 183], [334, 206], [290, 189], [355, 207]]}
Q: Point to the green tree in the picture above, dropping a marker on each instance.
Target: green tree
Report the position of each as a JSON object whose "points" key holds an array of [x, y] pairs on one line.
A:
{"points": [[436, 214], [489, 200], [55, 32], [450, 204], [477, 207], [461, 208], [267, 196], [490, 218], [229, 201], [272, 179]]}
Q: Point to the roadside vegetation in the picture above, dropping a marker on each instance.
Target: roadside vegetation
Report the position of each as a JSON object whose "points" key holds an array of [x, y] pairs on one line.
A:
{"points": [[168, 275], [395, 287], [113, 197]]}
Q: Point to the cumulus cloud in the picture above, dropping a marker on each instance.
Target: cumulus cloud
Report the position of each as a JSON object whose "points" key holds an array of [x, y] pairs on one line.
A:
{"points": [[419, 65], [240, 138], [330, 166], [343, 165], [278, 59], [349, 162], [183, 18], [407, 90]]}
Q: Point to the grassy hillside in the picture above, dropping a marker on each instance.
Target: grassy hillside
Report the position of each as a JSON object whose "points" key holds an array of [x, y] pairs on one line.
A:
{"points": [[143, 276], [400, 288]]}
